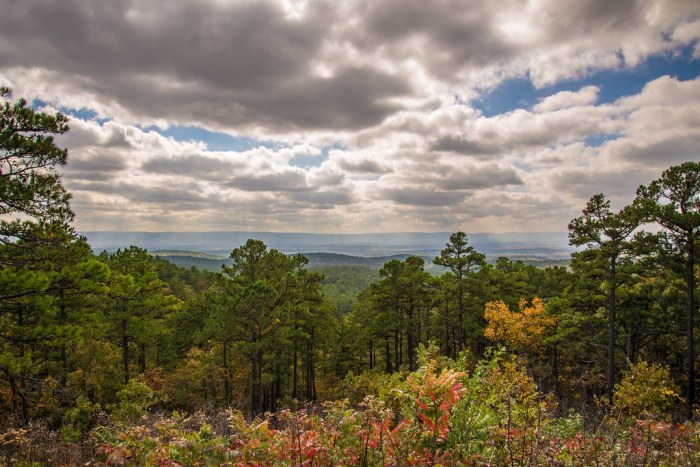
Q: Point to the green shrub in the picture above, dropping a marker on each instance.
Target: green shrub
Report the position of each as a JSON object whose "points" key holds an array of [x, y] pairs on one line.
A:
{"points": [[645, 392], [78, 420], [134, 400]]}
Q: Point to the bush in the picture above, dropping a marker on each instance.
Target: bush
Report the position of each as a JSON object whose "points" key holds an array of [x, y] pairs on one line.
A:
{"points": [[134, 401], [79, 420], [645, 392]]}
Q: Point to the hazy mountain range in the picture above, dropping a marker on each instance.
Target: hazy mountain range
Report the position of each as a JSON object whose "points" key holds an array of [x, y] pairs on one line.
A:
{"points": [[550, 245]]}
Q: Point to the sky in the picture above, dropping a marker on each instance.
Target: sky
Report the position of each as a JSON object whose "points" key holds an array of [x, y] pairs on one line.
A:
{"points": [[357, 116]]}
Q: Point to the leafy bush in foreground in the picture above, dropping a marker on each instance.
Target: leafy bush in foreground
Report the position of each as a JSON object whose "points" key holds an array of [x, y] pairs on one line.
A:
{"points": [[438, 415]]}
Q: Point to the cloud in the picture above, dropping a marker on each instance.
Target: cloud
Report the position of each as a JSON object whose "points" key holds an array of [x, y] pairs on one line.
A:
{"points": [[200, 166], [289, 180], [537, 173], [466, 146], [565, 99], [363, 166], [222, 64], [255, 67], [422, 196], [391, 83]]}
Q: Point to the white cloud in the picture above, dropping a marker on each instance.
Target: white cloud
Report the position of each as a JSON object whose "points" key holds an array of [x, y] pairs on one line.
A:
{"points": [[388, 82], [565, 99], [529, 163]]}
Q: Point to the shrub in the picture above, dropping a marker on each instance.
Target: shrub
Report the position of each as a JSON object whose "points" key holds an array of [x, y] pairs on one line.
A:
{"points": [[645, 392]]}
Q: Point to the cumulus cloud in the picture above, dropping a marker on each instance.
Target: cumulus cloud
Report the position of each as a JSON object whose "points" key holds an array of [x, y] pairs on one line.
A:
{"points": [[378, 95], [362, 165], [566, 99]]}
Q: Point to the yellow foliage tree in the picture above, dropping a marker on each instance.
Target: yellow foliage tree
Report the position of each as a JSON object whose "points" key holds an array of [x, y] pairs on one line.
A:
{"points": [[524, 329]]}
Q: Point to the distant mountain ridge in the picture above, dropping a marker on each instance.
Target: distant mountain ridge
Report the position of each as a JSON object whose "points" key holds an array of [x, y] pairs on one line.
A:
{"points": [[211, 262], [214, 262], [547, 244]]}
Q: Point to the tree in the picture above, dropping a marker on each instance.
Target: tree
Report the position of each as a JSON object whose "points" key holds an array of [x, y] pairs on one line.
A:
{"points": [[139, 301], [277, 315], [29, 183], [461, 259], [673, 201], [607, 232], [524, 330], [34, 227], [396, 303]]}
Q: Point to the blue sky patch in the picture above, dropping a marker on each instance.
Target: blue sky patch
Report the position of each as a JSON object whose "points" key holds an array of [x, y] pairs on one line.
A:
{"points": [[306, 161], [519, 93], [595, 141], [82, 114], [214, 140]]}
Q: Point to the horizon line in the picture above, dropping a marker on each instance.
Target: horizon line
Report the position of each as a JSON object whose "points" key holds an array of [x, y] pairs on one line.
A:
{"points": [[319, 233]]}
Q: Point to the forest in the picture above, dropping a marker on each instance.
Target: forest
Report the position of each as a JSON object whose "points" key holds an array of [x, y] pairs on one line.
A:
{"points": [[124, 358]]}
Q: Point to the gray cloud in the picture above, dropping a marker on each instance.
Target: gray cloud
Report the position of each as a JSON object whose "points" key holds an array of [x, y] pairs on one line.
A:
{"points": [[441, 177], [145, 194], [584, 183], [571, 17], [97, 164], [352, 99], [422, 196], [215, 43], [199, 167], [251, 65], [223, 64], [363, 166], [71, 179], [479, 178], [290, 180], [660, 154], [389, 82], [448, 34], [466, 146], [326, 199]]}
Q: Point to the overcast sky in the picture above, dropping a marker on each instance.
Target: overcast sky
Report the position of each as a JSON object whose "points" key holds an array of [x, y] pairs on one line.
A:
{"points": [[357, 116]]}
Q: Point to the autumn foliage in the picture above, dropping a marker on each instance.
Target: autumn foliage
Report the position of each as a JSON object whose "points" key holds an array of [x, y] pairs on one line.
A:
{"points": [[123, 358], [523, 329]]}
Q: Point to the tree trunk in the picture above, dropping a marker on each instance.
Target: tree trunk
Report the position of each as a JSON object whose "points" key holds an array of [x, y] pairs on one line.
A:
{"points": [[611, 332], [387, 353], [310, 376], [419, 326], [632, 341], [63, 314], [64, 361], [460, 305], [277, 383], [454, 343], [142, 358], [295, 370], [256, 394], [227, 377], [125, 352], [397, 356], [410, 340], [555, 373], [447, 329], [690, 357], [18, 391], [22, 384]]}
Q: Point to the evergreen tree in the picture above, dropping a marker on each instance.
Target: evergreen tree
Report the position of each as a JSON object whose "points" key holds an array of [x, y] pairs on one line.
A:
{"points": [[29, 183], [33, 229], [606, 232], [673, 201], [462, 260]]}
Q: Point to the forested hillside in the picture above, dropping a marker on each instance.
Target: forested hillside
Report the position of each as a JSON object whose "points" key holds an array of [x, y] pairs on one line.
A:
{"points": [[124, 357]]}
